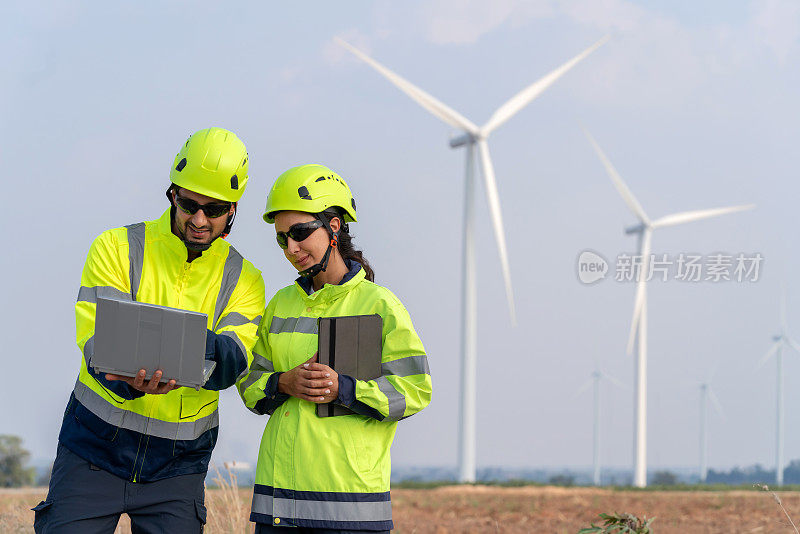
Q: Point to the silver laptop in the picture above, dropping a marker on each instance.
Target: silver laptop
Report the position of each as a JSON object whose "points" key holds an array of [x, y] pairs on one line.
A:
{"points": [[130, 336]]}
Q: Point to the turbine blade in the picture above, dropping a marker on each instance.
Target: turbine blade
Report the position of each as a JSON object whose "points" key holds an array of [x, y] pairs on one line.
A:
{"points": [[524, 97], [626, 194], [783, 308], [715, 402], [614, 381], [792, 343], [713, 372], [690, 216], [641, 297], [768, 355], [497, 221], [584, 387], [434, 106]]}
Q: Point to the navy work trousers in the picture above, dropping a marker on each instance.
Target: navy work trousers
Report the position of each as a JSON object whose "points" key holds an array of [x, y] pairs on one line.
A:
{"points": [[262, 528], [85, 499]]}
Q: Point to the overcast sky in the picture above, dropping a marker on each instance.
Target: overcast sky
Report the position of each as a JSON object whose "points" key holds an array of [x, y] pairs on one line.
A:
{"points": [[694, 102]]}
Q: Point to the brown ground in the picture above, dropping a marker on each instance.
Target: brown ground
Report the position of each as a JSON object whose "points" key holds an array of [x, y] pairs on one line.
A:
{"points": [[482, 509]]}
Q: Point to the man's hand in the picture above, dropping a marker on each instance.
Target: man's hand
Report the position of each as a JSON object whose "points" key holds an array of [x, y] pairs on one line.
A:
{"points": [[310, 381], [152, 387]]}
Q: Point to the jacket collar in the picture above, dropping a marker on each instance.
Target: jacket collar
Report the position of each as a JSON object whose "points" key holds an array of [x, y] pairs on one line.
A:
{"points": [[354, 276]]}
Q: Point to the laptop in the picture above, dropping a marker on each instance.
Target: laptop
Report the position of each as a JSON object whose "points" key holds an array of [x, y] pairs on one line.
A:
{"points": [[130, 336]]}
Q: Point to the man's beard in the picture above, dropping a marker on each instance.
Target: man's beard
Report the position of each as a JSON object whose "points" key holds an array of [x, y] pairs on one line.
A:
{"points": [[194, 245]]}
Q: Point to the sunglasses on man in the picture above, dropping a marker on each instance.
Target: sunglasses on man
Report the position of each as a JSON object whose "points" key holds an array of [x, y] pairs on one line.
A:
{"points": [[298, 232], [211, 210]]}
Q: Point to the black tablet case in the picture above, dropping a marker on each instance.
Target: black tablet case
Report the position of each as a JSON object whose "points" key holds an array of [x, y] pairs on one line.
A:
{"points": [[351, 346]]}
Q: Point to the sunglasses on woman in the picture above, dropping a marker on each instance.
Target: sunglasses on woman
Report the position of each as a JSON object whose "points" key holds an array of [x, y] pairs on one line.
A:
{"points": [[298, 232], [212, 210]]}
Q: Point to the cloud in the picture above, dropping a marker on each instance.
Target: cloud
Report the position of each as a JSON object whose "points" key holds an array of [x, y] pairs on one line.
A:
{"points": [[777, 25], [463, 22], [655, 58]]}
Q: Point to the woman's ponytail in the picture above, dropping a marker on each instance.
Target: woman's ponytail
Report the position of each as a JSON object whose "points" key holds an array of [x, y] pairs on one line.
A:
{"points": [[346, 248]]}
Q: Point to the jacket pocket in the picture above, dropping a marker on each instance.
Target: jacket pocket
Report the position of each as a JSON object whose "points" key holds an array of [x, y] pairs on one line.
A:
{"points": [[200, 510], [190, 403], [362, 455], [40, 515]]}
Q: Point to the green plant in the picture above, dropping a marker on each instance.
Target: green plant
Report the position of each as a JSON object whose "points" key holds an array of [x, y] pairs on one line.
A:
{"points": [[13, 459], [620, 524]]}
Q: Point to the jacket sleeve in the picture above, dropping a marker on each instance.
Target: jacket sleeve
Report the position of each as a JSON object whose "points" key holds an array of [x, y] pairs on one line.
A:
{"points": [[104, 275], [259, 386], [231, 342], [404, 387]]}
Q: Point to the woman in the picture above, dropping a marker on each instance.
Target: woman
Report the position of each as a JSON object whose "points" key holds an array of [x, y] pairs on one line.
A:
{"points": [[326, 474]]}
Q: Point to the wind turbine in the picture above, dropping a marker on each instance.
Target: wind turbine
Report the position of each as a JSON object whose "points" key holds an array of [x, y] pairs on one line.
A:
{"points": [[474, 137], [638, 334], [781, 341], [706, 393], [597, 376]]}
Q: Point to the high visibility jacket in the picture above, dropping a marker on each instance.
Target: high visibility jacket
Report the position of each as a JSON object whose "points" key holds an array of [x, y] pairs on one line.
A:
{"points": [[331, 472], [143, 437]]}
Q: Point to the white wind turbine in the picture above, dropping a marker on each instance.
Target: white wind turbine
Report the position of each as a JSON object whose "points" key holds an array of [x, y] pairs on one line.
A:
{"points": [[706, 393], [781, 341], [597, 376], [474, 135], [638, 334]]}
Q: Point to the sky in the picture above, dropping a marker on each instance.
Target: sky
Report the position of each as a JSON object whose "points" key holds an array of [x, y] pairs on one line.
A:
{"points": [[695, 103]]}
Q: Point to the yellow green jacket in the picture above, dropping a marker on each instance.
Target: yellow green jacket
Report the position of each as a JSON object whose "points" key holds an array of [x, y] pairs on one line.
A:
{"points": [[143, 437], [331, 472]]}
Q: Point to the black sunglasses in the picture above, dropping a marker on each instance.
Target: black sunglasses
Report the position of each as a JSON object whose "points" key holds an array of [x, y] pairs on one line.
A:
{"points": [[298, 232], [212, 210]]}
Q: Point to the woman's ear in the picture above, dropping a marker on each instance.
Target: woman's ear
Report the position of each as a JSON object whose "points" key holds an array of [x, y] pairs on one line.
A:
{"points": [[336, 224]]}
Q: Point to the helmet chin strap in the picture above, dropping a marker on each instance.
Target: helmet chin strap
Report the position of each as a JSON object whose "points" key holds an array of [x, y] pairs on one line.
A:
{"points": [[320, 267]]}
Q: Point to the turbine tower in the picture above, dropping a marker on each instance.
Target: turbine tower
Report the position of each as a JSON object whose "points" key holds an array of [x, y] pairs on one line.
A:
{"points": [[637, 340], [781, 341], [706, 393], [597, 376], [474, 138]]}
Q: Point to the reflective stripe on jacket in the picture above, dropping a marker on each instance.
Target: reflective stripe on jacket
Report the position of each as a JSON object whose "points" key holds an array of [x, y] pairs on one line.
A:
{"points": [[150, 437], [331, 472]]}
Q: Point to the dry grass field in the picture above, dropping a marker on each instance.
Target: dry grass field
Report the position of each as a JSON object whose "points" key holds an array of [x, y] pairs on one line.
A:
{"points": [[488, 509]]}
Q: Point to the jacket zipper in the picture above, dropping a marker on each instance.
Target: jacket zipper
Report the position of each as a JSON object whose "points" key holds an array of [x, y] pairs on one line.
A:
{"points": [[181, 285]]}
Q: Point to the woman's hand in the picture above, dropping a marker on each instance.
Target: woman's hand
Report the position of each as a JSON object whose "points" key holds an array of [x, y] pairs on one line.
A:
{"points": [[310, 381]]}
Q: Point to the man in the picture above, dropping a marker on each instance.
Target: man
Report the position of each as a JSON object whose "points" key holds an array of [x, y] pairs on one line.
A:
{"points": [[142, 447]]}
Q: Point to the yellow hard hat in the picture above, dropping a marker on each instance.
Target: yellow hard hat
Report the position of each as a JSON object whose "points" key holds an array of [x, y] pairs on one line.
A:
{"points": [[311, 188], [212, 162]]}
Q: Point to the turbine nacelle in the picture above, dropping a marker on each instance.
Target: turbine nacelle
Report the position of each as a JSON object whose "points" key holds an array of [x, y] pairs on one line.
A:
{"points": [[638, 229], [463, 139]]}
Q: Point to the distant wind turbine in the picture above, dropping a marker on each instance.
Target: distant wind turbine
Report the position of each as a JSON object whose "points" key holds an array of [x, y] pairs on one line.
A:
{"points": [[781, 341], [597, 376], [706, 393], [474, 136], [638, 333]]}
